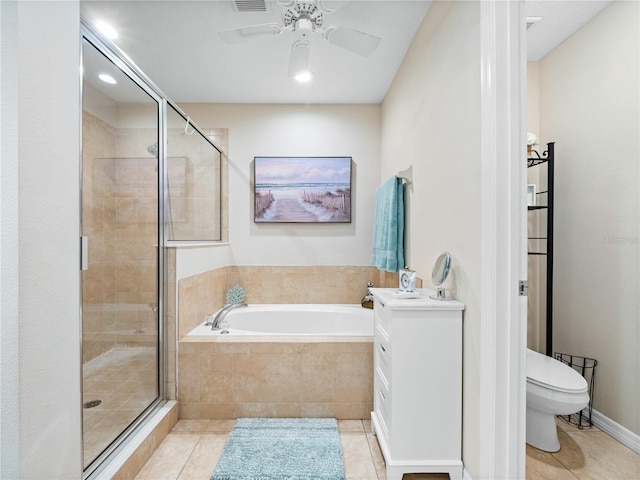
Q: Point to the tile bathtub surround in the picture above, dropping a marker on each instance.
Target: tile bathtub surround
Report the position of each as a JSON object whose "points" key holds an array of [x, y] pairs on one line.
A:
{"points": [[227, 377], [199, 295], [193, 447], [303, 284], [205, 293]]}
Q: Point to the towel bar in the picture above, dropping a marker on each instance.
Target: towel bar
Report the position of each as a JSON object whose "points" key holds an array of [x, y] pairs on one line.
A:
{"points": [[406, 175]]}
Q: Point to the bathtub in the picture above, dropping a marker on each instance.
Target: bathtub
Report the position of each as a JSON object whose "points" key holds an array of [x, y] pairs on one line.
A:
{"points": [[296, 319], [280, 361]]}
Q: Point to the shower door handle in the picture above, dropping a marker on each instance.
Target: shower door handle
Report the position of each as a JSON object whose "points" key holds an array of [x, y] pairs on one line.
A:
{"points": [[84, 253]]}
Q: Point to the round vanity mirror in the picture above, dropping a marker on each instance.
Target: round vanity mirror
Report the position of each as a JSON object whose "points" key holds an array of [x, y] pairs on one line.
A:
{"points": [[439, 275]]}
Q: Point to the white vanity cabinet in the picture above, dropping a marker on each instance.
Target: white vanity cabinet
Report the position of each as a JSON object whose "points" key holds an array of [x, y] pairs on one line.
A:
{"points": [[417, 398]]}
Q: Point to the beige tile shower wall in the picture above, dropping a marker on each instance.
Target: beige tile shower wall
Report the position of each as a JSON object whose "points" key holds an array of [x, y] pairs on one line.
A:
{"points": [[120, 219], [98, 321], [227, 378], [133, 252]]}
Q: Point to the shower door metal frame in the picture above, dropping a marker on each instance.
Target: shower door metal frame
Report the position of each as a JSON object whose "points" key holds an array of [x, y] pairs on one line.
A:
{"points": [[129, 68], [115, 55]]}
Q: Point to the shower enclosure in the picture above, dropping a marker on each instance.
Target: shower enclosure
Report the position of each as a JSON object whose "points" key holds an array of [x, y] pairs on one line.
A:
{"points": [[149, 177]]}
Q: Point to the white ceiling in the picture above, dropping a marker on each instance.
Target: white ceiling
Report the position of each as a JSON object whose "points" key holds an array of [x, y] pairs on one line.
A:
{"points": [[560, 20], [175, 43]]}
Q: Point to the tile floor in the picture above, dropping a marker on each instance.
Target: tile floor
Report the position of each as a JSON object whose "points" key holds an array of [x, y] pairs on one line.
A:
{"points": [[193, 447], [585, 454], [124, 379]]}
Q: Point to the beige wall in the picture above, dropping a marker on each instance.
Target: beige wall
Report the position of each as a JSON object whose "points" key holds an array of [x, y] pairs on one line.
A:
{"points": [[589, 105], [431, 118], [536, 264], [292, 130], [533, 98]]}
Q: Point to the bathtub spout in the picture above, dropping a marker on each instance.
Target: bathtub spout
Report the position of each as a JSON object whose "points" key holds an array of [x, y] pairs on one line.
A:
{"points": [[367, 300], [215, 325]]}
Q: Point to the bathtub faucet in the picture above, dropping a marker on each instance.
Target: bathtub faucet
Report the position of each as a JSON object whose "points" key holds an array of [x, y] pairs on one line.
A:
{"points": [[215, 325]]}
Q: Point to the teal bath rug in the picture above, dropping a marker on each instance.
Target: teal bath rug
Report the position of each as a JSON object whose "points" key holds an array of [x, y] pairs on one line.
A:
{"points": [[282, 449]]}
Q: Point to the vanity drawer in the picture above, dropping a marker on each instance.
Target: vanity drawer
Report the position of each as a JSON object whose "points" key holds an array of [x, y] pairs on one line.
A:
{"points": [[382, 336], [381, 382], [382, 359], [382, 317], [383, 407]]}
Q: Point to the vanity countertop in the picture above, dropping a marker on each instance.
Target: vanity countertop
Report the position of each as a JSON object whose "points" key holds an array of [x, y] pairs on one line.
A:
{"points": [[423, 302]]}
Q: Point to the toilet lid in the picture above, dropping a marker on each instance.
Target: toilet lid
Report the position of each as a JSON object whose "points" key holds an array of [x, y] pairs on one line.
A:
{"points": [[551, 373]]}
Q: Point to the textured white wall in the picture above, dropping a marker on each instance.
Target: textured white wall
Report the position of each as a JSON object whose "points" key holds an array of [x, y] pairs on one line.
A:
{"points": [[589, 105], [431, 119], [49, 294], [9, 319], [294, 130]]}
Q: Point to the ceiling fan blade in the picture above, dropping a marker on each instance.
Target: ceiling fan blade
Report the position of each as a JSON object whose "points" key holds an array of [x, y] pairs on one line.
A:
{"points": [[299, 58], [353, 40], [245, 33]]}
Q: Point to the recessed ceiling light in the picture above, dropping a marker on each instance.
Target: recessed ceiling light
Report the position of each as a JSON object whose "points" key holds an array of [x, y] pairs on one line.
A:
{"points": [[303, 76], [531, 21], [107, 78], [107, 30]]}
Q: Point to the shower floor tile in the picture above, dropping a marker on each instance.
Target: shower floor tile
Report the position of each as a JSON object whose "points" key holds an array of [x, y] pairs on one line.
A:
{"points": [[124, 380]]}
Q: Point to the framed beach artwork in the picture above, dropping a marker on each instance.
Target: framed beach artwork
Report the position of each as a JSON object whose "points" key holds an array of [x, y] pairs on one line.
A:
{"points": [[302, 189]]}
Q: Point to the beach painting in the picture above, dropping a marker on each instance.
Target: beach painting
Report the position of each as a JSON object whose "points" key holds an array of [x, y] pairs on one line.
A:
{"points": [[302, 189]]}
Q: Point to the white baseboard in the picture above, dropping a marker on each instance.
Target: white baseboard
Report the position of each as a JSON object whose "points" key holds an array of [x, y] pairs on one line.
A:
{"points": [[615, 430], [465, 474]]}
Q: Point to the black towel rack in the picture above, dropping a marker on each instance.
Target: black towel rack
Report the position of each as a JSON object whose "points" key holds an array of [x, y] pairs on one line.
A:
{"points": [[547, 158]]}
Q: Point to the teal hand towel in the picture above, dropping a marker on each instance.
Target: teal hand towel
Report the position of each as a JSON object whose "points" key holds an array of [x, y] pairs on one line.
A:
{"points": [[388, 227]]}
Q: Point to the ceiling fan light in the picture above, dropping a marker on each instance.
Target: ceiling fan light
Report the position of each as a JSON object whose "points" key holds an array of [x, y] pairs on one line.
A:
{"points": [[299, 59], [303, 76], [106, 78]]}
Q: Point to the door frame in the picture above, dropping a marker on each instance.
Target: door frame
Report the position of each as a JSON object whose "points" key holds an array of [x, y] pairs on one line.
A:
{"points": [[503, 239]]}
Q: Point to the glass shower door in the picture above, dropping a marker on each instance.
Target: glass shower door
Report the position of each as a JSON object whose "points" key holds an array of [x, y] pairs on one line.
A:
{"points": [[120, 227]]}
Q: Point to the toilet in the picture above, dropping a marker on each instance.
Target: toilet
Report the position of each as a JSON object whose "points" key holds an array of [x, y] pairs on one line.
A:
{"points": [[553, 388]]}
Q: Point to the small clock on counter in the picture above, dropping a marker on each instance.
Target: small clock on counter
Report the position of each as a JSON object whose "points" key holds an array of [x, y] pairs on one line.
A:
{"points": [[407, 280]]}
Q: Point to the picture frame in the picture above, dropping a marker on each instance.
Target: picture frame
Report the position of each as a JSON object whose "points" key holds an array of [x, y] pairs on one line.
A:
{"points": [[531, 195], [302, 189]]}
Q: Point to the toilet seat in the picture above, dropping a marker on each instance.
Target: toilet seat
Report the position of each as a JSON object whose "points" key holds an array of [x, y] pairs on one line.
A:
{"points": [[547, 372], [553, 388]]}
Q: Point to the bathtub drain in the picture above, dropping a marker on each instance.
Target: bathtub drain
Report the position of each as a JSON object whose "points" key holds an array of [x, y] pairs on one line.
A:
{"points": [[91, 403]]}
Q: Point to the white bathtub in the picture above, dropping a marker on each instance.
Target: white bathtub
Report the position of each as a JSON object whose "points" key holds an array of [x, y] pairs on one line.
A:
{"points": [[296, 320]]}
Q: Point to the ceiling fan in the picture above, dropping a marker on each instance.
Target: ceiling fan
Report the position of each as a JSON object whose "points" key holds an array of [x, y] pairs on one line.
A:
{"points": [[304, 18]]}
